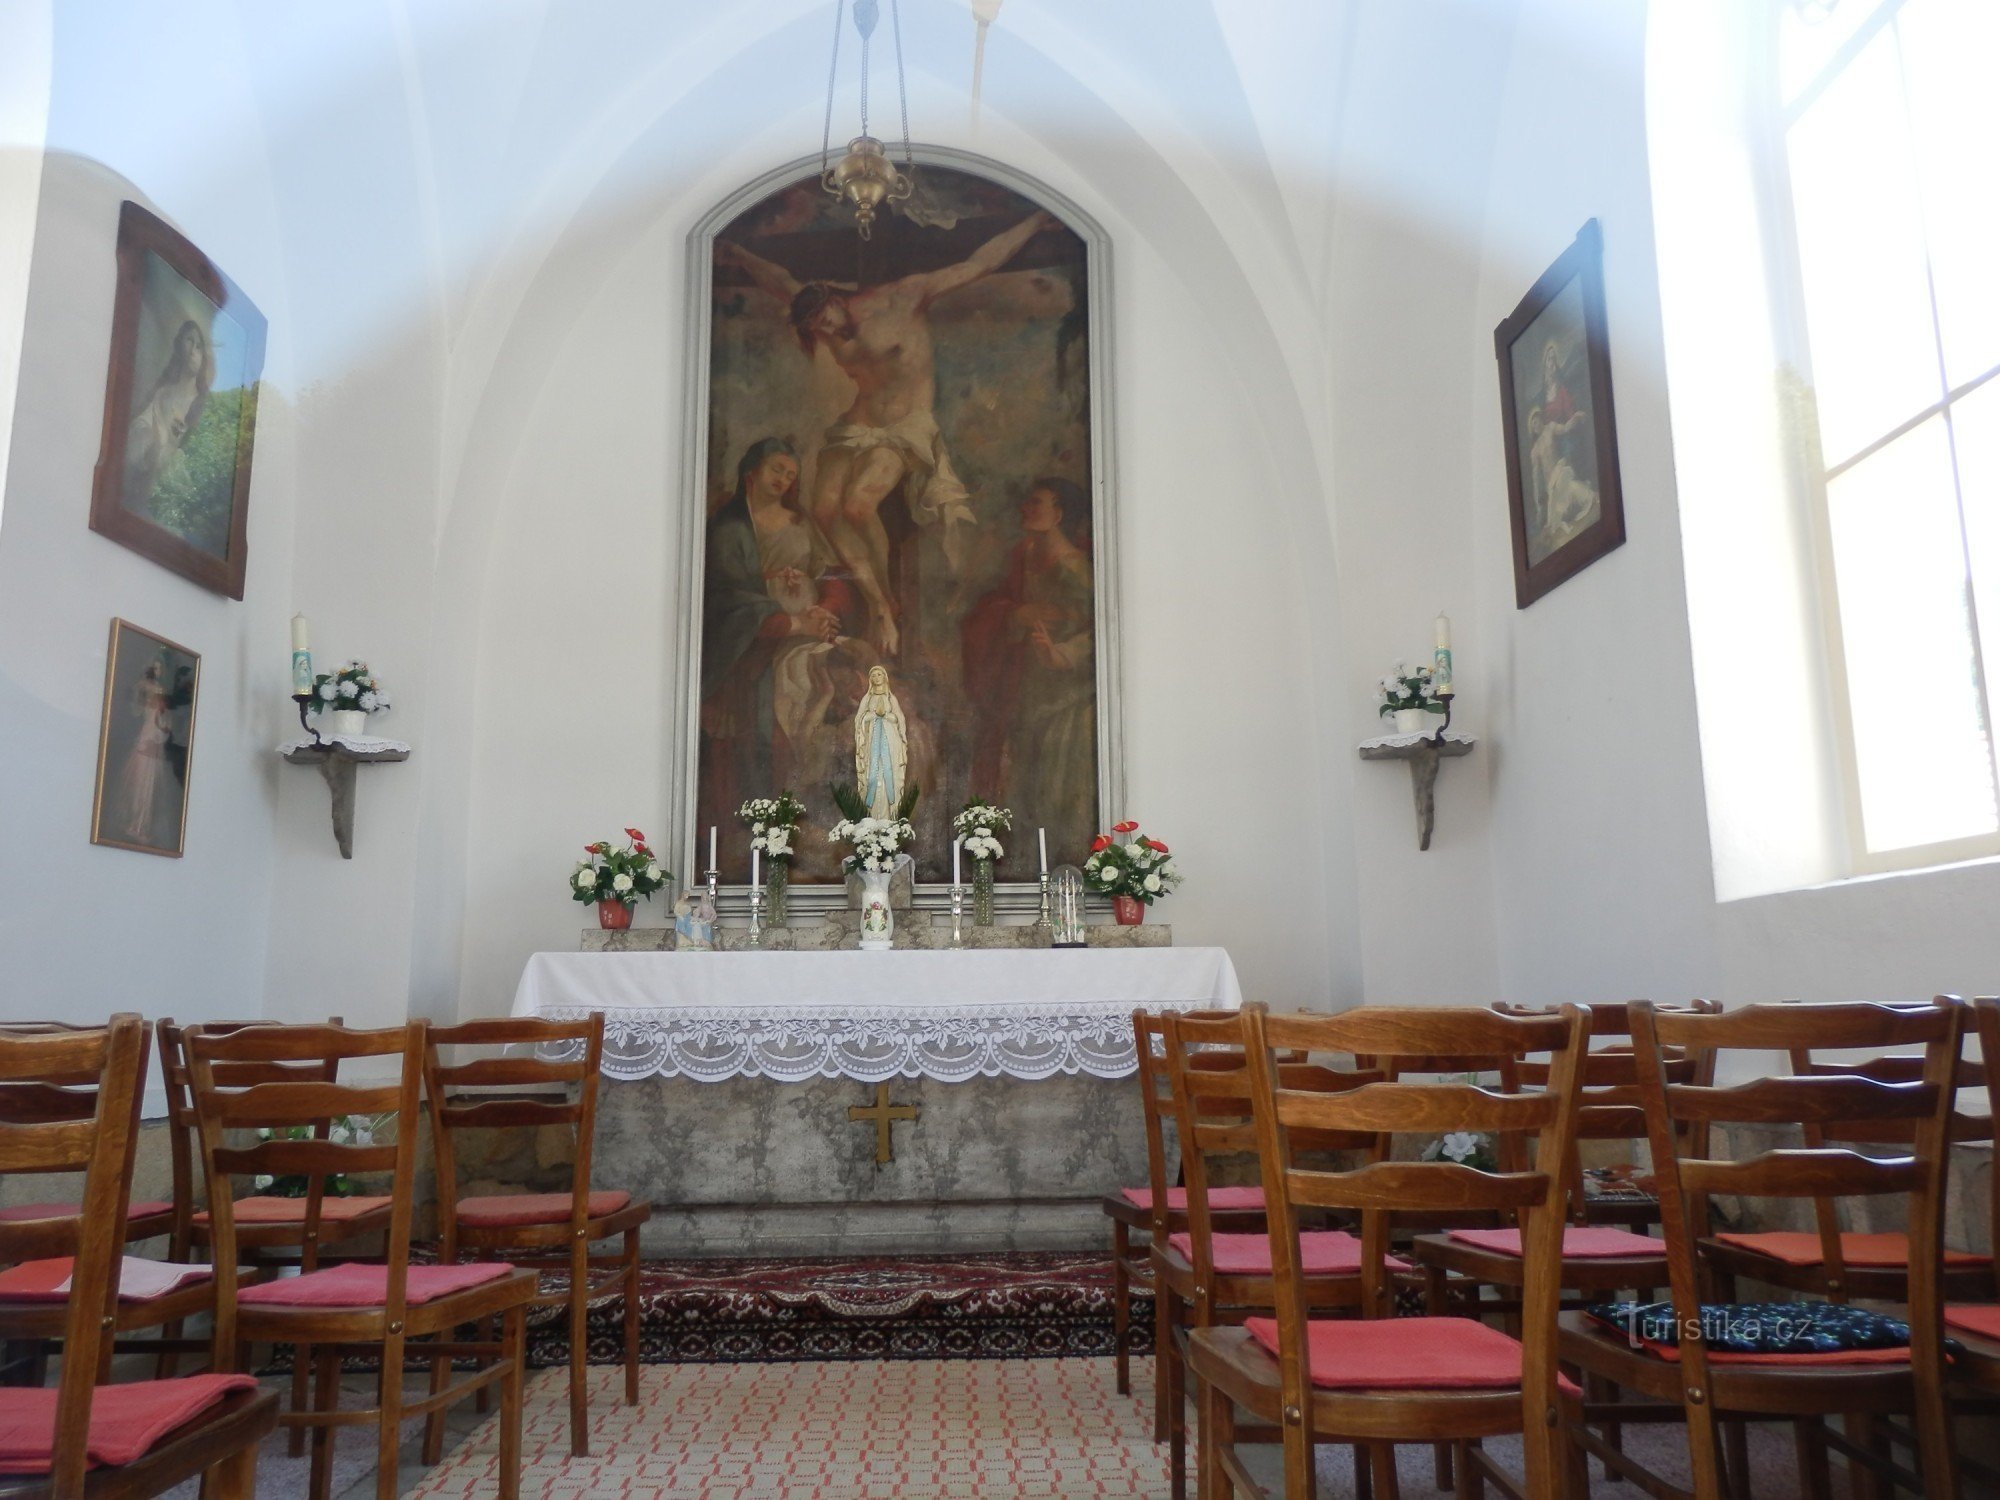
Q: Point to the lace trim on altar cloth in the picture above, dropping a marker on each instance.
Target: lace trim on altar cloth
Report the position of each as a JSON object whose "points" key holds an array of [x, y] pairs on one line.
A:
{"points": [[790, 1045]]}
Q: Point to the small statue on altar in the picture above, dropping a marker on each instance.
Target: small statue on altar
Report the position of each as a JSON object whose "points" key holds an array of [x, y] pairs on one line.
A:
{"points": [[694, 924], [881, 747]]}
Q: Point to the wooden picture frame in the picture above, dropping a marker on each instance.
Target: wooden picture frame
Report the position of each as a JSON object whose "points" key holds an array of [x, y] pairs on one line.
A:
{"points": [[145, 743], [1564, 498], [180, 408]]}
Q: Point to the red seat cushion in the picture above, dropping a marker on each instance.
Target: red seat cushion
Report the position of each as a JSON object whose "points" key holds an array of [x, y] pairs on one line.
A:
{"points": [[142, 1210], [357, 1285], [535, 1208], [1324, 1252], [1379, 1354], [1221, 1200], [1984, 1321], [1799, 1248], [1579, 1243], [293, 1210], [125, 1420], [138, 1280]]}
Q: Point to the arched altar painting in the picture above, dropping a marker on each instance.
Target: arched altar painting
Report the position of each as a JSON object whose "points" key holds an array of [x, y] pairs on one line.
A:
{"points": [[899, 474]]}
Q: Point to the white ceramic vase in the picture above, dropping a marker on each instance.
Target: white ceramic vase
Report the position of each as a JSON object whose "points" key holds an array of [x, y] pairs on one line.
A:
{"points": [[348, 721], [1415, 721], [878, 920]]}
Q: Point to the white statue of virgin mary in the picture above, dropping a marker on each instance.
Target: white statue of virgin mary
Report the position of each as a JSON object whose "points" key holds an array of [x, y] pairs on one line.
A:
{"points": [[881, 746]]}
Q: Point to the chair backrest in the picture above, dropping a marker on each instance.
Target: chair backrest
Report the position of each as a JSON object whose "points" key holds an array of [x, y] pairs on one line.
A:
{"points": [[1156, 1094], [1206, 1062], [1680, 1117], [1984, 1022], [1609, 1107], [183, 1130], [459, 1093], [1454, 1040], [1959, 1125], [276, 1077], [69, 1102]]}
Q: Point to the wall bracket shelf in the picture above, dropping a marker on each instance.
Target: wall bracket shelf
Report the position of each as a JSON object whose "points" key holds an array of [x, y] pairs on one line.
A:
{"points": [[1423, 752], [336, 760]]}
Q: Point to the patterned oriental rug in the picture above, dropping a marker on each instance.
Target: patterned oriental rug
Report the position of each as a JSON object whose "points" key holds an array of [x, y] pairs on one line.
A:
{"points": [[1014, 1305]]}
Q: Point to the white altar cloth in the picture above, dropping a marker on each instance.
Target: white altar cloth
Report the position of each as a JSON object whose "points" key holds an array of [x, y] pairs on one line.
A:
{"points": [[1026, 1013]]}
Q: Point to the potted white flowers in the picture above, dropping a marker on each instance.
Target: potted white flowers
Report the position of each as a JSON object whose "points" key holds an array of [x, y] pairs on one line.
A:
{"points": [[1134, 871], [346, 698], [774, 826], [879, 845], [1410, 695], [978, 829], [616, 878]]}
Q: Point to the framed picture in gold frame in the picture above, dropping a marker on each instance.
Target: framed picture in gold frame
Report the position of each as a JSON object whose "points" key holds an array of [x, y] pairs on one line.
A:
{"points": [[180, 408], [145, 745]]}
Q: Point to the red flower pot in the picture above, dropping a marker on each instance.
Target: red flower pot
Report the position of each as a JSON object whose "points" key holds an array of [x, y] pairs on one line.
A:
{"points": [[615, 916], [1128, 911]]}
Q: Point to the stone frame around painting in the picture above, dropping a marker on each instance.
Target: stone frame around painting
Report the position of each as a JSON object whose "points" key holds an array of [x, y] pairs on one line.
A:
{"points": [[143, 235], [690, 516], [1581, 265]]}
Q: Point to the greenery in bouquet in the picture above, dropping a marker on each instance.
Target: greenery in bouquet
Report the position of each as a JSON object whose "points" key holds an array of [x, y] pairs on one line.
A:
{"points": [[609, 873], [1124, 862], [345, 1130], [1466, 1147], [1406, 687], [979, 828], [353, 687], [877, 842], [774, 824]]}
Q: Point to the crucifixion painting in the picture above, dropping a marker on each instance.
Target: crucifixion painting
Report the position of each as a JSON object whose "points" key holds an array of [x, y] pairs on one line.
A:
{"points": [[900, 484]]}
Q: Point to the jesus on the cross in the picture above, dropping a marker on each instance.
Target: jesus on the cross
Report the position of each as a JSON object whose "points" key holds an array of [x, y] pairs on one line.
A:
{"points": [[880, 337]]}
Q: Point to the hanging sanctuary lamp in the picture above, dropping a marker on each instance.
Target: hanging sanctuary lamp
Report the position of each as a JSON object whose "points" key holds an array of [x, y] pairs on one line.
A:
{"points": [[866, 177]]}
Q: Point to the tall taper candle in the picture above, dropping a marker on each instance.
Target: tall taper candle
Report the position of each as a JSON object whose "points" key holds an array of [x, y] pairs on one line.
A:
{"points": [[302, 662], [711, 847], [956, 845], [756, 873], [1042, 838], [1441, 659]]}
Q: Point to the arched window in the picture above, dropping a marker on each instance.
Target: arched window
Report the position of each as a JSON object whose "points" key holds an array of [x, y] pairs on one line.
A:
{"points": [[1884, 244]]}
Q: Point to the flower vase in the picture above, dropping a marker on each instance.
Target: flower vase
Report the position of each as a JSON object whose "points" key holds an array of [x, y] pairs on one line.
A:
{"points": [[982, 893], [1413, 721], [777, 883], [1128, 911], [348, 721], [614, 915], [878, 920]]}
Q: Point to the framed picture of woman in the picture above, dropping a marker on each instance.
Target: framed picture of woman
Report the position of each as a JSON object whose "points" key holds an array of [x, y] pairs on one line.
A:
{"points": [[1563, 493], [145, 746], [180, 408]]}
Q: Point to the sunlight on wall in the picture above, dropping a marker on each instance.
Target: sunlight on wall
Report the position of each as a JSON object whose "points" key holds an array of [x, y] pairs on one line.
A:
{"points": [[24, 122]]}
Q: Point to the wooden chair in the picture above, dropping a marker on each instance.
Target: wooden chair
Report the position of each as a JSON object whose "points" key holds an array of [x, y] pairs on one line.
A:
{"points": [[98, 1434], [267, 1226], [1157, 1209], [1706, 1391], [355, 1306], [562, 1226], [1385, 1381], [144, 1220], [1205, 1277]]}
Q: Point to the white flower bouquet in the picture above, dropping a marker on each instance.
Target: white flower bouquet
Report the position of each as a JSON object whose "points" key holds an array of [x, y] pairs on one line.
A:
{"points": [[877, 842], [1125, 863], [353, 689], [1408, 688], [1466, 1147], [609, 873], [774, 824], [343, 1130], [978, 829]]}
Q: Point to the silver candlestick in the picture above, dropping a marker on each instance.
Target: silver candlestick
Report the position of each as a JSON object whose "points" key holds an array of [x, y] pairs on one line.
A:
{"points": [[755, 937], [1045, 914], [958, 916], [714, 878]]}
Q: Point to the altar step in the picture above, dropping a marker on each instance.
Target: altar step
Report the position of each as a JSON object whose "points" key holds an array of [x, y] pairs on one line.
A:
{"points": [[1008, 1305]]}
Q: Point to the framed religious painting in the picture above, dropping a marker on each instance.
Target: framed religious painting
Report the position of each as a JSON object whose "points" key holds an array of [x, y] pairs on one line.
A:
{"points": [[901, 553], [145, 743], [180, 408], [1563, 494]]}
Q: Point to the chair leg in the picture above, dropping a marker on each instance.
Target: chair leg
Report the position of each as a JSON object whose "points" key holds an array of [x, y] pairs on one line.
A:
{"points": [[579, 1350], [1436, 1305], [1598, 1388], [235, 1478], [1171, 1375], [1164, 1303], [631, 1317], [1471, 1479], [326, 1397], [1121, 1305], [389, 1424], [1864, 1483], [489, 1333], [1736, 1457], [1212, 1429], [1381, 1463], [434, 1423], [1814, 1478], [515, 1352], [302, 1360]]}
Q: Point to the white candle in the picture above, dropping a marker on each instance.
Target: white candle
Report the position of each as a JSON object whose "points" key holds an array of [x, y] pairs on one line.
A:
{"points": [[299, 633], [1042, 838], [756, 875], [711, 847], [956, 845], [1441, 658], [302, 662]]}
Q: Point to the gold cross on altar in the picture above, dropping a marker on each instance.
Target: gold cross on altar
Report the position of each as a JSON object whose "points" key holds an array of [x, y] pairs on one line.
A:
{"points": [[882, 1112]]}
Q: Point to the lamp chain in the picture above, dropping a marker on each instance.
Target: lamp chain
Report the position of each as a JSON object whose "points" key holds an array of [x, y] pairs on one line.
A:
{"points": [[832, 74], [902, 88]]}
